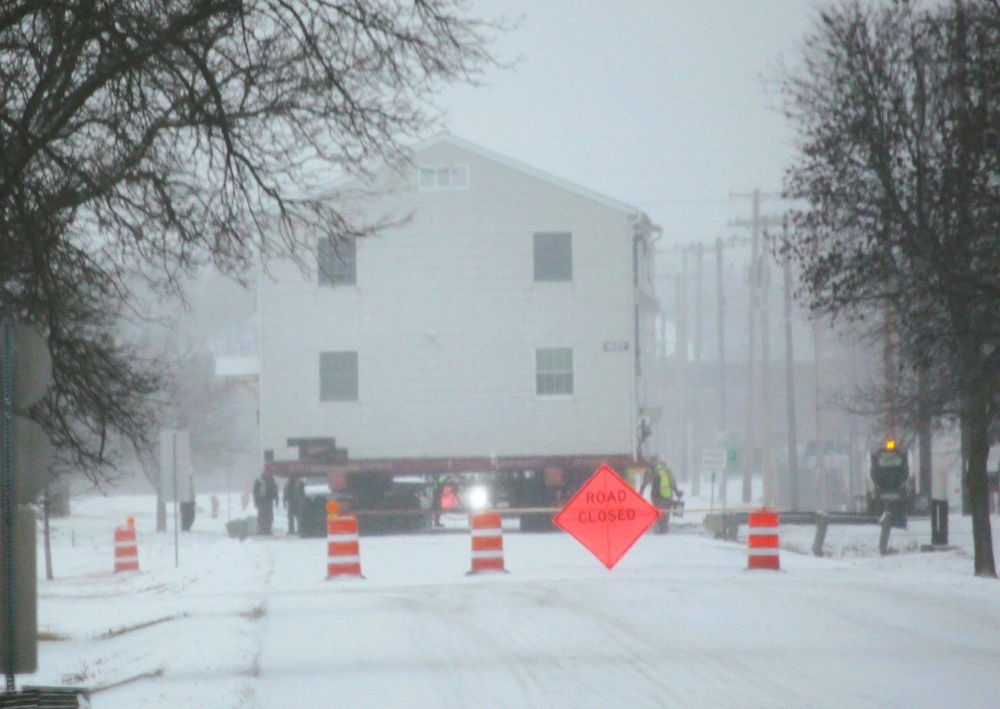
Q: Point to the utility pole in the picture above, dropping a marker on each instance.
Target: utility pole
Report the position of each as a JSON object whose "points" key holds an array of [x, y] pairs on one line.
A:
{"points": [[692, 439], [891, 376], [680, 358], [721, 328], [750, 458], [720, 282], [856, 486], [767, 457], [689, 426], [698, 371], [793, 445], [666, 432], [757, 224], [820, 458], [925, 434]]}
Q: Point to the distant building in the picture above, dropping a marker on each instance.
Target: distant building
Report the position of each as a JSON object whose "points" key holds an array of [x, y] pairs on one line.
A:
{"points": [[510, 319]]}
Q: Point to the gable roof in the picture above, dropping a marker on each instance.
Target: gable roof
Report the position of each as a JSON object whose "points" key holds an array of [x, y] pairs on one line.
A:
{"points": [[446, 138], [449, 139]]}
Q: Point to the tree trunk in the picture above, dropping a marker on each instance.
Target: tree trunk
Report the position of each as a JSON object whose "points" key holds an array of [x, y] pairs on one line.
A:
{"points": [[964, 447], [977, 423]]}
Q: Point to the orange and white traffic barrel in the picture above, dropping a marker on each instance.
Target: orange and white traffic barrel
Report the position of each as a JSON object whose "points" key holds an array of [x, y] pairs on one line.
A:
{"points": [[763, 540], [487, 543], [126, 551], [343, 553]]}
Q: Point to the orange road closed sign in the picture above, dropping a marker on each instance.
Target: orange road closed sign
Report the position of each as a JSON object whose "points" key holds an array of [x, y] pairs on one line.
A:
{"points": [[607, 516]]}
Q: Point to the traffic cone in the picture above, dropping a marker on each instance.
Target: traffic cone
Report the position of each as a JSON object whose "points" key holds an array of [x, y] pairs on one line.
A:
{"points": [[487, 543], [763, 540], [126, 551], [343, 554]]}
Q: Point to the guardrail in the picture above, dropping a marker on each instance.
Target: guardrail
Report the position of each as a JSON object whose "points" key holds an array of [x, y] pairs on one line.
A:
{"points": [[725, 525]]}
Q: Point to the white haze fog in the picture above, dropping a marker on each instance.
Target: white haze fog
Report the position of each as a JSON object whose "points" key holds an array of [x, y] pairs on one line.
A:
{"points": [[657, 104], [664, 106], [679, 622]]}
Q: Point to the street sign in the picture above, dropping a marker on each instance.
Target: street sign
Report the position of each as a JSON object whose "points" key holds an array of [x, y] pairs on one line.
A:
{"points": [[607, 516], [27, 375], [713, 460]]}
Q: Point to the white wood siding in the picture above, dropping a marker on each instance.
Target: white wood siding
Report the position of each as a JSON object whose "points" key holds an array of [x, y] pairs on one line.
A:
{"points": [[446, 318]]}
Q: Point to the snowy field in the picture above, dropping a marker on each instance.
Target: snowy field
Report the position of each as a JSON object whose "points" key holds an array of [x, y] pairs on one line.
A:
{"points": [[679, 622]]}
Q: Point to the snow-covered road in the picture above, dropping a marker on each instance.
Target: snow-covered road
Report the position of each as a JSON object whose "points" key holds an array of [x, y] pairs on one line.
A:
{"points": [[678, 622]]}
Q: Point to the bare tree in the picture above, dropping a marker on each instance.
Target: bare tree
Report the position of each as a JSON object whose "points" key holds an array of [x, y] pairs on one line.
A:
{"points": [[152, 137], [897, 109]]}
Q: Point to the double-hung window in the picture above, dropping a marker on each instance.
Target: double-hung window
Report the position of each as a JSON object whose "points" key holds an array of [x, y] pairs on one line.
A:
{"points": [[554, 371], [553, 256], [338, 376], [337, 261]]}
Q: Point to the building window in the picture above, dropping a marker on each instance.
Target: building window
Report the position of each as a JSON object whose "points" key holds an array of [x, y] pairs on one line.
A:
{"points": [[442, 178], [338, 376], [553, 256], [554, 371], [337, 261]]}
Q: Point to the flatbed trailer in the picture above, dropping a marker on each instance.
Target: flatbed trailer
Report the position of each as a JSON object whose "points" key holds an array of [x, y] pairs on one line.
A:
{"points": [[406, 485]]}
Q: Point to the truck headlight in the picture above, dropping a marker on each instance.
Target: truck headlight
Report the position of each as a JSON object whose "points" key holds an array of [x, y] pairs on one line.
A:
{"points": [[479, 497]]}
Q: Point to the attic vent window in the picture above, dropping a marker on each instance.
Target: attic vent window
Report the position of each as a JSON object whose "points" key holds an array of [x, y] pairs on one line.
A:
{"points": [[443, 178]]}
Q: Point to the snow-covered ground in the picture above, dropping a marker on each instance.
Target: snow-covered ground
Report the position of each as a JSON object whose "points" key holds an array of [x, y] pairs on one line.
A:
{"points": [[680, 621]]}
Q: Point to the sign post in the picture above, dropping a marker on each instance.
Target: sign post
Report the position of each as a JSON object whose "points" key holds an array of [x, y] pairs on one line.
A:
{"points": [[25, 458], [607, 516], [713, 461], [175, 462]]}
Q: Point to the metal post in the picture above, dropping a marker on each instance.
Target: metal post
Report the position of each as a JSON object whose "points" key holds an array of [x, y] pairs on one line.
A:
{"points": [[883, 540], [939, 522], [822, 522], [7, 497], [173, 448]]}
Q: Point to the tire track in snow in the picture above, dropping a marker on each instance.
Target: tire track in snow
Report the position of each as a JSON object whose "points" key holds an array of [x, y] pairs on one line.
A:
{"points": [[672, 665], [470, 659], [479, 639], [257, 615]]}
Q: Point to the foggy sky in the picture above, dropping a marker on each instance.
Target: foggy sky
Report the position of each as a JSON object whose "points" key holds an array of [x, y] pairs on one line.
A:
{"points": [[658, 103]]}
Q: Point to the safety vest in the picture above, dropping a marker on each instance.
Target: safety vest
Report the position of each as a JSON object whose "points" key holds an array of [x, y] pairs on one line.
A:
{"points": [[666, 489]]}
